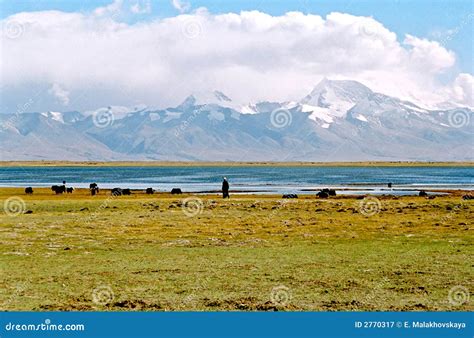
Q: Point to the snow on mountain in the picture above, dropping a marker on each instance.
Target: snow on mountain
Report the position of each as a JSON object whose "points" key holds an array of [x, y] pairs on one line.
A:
{"points": [[337, 121], [64, 117], [338, 96], [118, 112], [39, 136], [208, 98]]}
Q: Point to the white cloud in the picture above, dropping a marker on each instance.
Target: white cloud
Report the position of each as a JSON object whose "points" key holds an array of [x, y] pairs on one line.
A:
{"points": [[112, 9], [429, 55], [249, 56], [60, 94], [181, 6], [141, 7], [462, 90]]}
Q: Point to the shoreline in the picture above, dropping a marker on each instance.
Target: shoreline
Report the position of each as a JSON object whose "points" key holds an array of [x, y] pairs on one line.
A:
{"points": [[309, 193], [233, 164]]}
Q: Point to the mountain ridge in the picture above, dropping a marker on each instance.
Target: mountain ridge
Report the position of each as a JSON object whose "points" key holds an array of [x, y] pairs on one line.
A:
{"points": [[340, 120]]}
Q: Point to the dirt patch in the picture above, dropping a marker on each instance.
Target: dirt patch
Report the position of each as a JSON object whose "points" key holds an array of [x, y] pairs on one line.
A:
{"points": [[136, 305], [248, 304]]}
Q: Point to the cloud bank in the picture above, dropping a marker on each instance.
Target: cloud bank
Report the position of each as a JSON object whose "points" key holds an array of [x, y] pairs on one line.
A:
{"points": [[86, 60]]}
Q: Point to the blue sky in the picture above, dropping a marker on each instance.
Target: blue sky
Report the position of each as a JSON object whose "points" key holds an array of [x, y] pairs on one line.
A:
{"points": [[447, 21]]}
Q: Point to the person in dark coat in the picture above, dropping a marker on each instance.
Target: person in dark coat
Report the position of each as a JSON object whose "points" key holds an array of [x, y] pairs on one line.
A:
{"points": [[225, 188]]}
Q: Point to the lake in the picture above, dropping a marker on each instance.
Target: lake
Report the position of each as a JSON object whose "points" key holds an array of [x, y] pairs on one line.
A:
{"points": [[259, 179]]}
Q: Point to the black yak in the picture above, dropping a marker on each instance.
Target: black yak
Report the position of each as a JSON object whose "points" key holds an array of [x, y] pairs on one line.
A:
{"points": [[422, 193], [322, 194], [58, 189], [126, 192], [28, 190], [116, 192], [69, 190], [175, 191], [149, 191], [330, 192], [289, 196]]}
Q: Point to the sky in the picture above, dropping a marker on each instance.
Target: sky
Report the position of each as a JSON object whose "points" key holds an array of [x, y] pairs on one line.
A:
{"points": [[82, 55]]}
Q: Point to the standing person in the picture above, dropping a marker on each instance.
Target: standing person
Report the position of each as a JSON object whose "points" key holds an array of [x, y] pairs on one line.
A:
{"points": [[225, 188]]}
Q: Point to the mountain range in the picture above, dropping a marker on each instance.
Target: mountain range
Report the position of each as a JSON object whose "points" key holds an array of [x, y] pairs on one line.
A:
{"points": [[340, 120]]}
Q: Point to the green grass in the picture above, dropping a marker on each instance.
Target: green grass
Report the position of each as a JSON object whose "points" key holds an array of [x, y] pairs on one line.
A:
{"points": [[247, 253]]}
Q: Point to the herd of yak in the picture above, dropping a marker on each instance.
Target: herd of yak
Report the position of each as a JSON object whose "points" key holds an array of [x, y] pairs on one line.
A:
{"points": [[94, 189]]}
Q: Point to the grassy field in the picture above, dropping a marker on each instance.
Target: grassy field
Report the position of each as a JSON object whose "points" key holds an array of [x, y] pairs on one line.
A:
{"points": [[163, 252]]}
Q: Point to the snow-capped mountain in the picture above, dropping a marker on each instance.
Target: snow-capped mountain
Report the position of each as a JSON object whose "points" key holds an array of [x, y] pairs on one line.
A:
{"points": [[337, 121], [335, 98]]}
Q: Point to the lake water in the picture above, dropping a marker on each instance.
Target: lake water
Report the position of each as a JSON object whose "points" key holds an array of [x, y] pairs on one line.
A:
{"points": [[358, 180]]}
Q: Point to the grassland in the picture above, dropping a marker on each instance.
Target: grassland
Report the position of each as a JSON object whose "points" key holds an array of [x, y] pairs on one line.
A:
{"points": [[159, 252], [227, 164]]}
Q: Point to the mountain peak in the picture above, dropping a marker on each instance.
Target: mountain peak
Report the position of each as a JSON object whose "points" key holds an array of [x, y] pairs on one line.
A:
{"points": [[202, 98], [221, 96], [337, 95], [347, 86]]}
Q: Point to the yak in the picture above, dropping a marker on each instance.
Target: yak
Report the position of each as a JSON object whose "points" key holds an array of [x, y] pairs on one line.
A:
{"points": [[176, 191], [322, 194], [116, 192], [120, 192], [149, 191], [330, 192], [28, 190], [69, 190], [58, 189]]}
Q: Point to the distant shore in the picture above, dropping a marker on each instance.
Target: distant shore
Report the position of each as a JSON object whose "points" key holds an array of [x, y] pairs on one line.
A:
{"points": [[227, 164]]}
